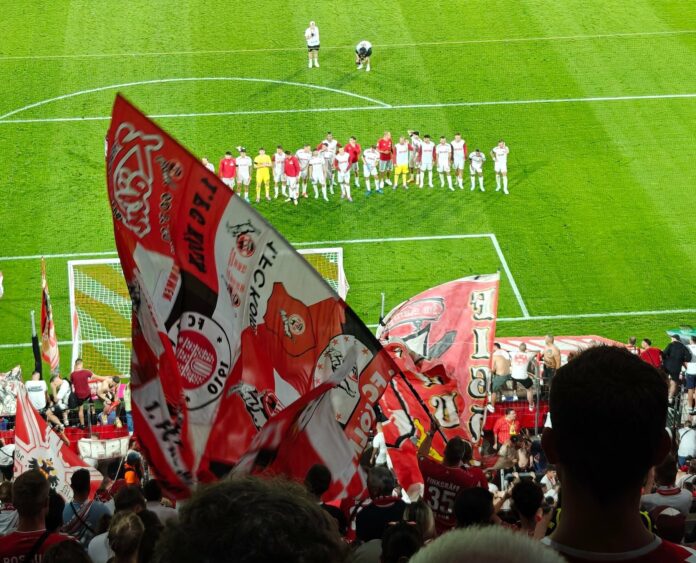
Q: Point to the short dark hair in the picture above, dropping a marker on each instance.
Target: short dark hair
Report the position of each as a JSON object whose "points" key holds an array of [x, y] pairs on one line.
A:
{"points": [[454, 450], [129, 498], [496, 345], [251, 519], [30, 493], [591, 398], [80, 482], [318, 479], [116, 379], [400, 540], [527, 497], [647, 341], [380, 481], [228, 153], [473, 507], [666, 472], [54, 516], [152, 490], [509, 411]]}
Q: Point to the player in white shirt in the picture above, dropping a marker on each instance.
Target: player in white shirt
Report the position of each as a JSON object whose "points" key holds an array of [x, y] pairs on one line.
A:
{"points": [[444, 159], [342, 163], [312, 37], [499, 153], [209, 165], [279, 172], [329, 154], [427, 154], [370, 159], [459, 158], [318, 174], [363, 52], [414, 160], [303, 155], [476, 159], [244, 165], [402, 149]]}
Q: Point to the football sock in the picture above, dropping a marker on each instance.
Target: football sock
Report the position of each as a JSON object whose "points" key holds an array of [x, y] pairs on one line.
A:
{"points": [[473, 183], [497, 182], [505, 184], [481, 184]]}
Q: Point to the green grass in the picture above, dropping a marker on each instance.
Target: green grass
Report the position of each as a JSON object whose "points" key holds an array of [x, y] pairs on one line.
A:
{"points": [[600, 215]]}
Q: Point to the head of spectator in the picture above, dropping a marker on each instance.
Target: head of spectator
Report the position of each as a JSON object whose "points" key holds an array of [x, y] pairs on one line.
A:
{"points": [[30, 499], [666, 472], [400, 542], [129, 499], [78, 364], [420, 513], [56, 379], [632, 341], [510, 415], [380, 482], [66, 552], [645, 343], [489, 544], [527, 498], [254, 519], [594, 396], [473, 507], [318, 480], [152, 491], [549, 339], [54, 516], [6, 492], [153, 530], [454, 452], [35, 375], [80, 485], [125, 532], [551, 471]]}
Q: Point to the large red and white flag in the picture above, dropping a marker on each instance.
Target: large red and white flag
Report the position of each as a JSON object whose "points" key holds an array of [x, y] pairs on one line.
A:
{"points": [[230, 324], [38, 447], [49, 341], [442, 341]]}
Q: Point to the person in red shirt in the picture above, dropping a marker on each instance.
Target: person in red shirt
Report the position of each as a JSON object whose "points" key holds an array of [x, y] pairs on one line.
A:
{"points": [[504, 427], [444, 480], [228, 170], [80, 385], [601, 486], [31, 539], [385, 147], [650, 354], [292, 172], [354, 149]]}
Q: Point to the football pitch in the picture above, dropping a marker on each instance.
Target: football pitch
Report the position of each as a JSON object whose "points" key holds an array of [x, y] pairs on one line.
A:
{"points": [[596, 100]]}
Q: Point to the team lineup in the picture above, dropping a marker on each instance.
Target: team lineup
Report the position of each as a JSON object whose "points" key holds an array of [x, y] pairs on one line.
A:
{"points": [[330, 164]]}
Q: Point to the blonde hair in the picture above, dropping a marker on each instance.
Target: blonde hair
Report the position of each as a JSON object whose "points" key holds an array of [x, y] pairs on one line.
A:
{"points": [[125, 532]]}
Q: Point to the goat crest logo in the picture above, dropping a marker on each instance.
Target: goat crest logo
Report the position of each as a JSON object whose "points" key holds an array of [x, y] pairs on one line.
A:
{"points": [[130, 164]]}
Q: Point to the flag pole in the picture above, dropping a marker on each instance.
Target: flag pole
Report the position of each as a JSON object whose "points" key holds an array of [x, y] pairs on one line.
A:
{"points": [[423, 405], [38, 366]]}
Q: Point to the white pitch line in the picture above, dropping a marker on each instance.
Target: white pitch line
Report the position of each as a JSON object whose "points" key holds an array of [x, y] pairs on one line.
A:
{"points": [[384, 106], [341, 47], [596, 315], [508, 273], [47, 256]]}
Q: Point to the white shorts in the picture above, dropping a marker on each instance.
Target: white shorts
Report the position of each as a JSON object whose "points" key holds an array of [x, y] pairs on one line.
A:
{"points": [[291, 180], [229, 182], [443, 167], [426, 165], [278, 176], [458, 164], [501, 167], [304, 172], [344, 177], [475, 169], [318, 178], [243, 178], [369, 171], [355, 167]]}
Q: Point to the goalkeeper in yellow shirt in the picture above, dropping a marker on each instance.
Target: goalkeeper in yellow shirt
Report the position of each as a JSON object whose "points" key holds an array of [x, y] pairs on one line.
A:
{"points": [[262, 165]]}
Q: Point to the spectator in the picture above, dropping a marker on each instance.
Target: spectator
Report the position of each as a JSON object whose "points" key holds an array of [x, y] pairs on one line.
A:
{"points": [[500, 374], [125, 532], [688, 480], [54, 516], [667, 494], [550, 482], [132, 469], [37, 391], [650, 354], [477, 473], [248, 520], [8, 513], [474, 507], [81, 515], [128, 499], [153, 496], [6, 460], [30, 498], [379, 448], [551, 359], [420, 513], [318, 481], [686, 437], [527, 499], [153, 531], [491, 544], [443, 480], [372, 520], [522, 369], [509, 455], [400, 542], [504, 427], [631, 345], [66, 552], [60, 392], [80, 383], [690, 377], [599, 391], [674, 358], [107, 391]]}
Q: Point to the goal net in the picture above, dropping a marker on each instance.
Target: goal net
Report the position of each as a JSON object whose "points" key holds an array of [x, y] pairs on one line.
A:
{"points": [[100, 307]]}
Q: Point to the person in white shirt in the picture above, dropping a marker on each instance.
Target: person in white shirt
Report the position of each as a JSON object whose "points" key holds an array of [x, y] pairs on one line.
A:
{"points": [[519, 369], [427, 154], [209, 165], [303, 155], [444, 158], [370, 159], [414, 160], [342, 163], [244, 165], [690, 376], [499, 154], [379, 447], [37, 391], [666, 493], [402, 149], [60, 391], [687, 443], [318, 174], [476, 160], [458, 158], [312, 37], [330, 146], [279, 172], [153, 498], [550, 482], [363, 52]]}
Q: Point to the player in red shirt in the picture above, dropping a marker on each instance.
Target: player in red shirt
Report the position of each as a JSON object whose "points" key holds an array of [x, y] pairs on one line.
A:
{"points": [[385, 147], [228, 170], [354, 149], [292, 172], [80, 383], [444, 480]]}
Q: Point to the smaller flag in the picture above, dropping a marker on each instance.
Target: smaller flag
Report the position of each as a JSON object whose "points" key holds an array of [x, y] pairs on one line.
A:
{"points": [[49, 341], [38, 447]]}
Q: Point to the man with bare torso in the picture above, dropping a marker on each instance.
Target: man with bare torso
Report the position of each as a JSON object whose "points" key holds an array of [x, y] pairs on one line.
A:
{"points": [[500, 374], [551, 358]]}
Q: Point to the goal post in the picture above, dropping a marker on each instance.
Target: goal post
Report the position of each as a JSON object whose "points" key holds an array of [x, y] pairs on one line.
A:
{"points": [[100, 307]]}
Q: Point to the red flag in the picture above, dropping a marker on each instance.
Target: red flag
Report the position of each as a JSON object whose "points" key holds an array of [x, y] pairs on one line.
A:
{"points": [[39, 447], [441, 340], [49, 341], [230, 324]]}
